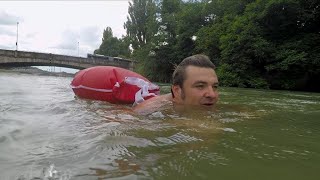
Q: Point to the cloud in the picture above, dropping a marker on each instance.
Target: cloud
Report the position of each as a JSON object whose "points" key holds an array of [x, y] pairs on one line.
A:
{"points": [[58, 26], [89, 39], [6, 31], [8, 19], [6, 41], [5, 47], [31, 35], [90, 36], [69, 41]]}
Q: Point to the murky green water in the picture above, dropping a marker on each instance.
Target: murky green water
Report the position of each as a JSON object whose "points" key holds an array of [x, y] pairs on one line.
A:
{"points": [[47, 133]]}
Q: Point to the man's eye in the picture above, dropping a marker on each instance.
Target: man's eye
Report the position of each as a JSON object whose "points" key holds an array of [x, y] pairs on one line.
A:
{"points": [[200, 86], [215, 86]]}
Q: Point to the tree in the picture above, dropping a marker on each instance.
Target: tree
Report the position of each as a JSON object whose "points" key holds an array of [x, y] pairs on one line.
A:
{"points": [[141, 23], [254, 43], [165, 53], [110, 45], [293, 27]]}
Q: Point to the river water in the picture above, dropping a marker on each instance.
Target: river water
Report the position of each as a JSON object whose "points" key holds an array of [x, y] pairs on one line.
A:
{"points": [[48, 133]]}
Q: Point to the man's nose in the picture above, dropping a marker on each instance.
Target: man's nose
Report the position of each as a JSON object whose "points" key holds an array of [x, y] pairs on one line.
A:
{"points": [[212, 92]]}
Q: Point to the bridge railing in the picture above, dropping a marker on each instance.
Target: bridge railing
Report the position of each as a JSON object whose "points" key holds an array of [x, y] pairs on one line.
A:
{"points": [[67, 59]]}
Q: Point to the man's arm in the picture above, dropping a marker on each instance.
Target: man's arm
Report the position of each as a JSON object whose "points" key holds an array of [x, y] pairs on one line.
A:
{"points": [[153, 104]]}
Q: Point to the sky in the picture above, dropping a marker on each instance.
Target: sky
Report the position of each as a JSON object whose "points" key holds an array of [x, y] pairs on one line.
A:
{"points": [[71, 27]]}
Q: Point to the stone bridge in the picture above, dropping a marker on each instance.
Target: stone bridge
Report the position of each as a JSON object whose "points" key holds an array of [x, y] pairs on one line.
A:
{"points": [[10, 58]]}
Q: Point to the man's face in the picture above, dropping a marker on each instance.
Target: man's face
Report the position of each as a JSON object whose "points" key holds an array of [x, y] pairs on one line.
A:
{"points": [[199, 87]]}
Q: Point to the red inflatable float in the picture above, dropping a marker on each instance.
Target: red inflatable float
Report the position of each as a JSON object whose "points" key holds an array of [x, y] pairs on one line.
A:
{"points": [[113, 84]]}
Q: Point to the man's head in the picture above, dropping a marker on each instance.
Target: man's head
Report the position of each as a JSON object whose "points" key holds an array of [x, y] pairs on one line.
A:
{"points": [[194, 82]]}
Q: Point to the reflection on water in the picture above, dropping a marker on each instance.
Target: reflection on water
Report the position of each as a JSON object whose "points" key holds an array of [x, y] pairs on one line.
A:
{"points": [[47, 133]]}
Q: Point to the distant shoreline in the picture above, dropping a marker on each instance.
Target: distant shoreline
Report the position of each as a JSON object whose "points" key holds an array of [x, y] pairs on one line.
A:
{"points": [[35, 71]]}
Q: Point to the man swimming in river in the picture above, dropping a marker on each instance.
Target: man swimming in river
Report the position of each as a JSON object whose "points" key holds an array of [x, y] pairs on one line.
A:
{"points": [[194, 83]]}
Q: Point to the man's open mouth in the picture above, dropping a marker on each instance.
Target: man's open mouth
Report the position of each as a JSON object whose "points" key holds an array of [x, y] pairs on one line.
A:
{"points": [[207, 104]]}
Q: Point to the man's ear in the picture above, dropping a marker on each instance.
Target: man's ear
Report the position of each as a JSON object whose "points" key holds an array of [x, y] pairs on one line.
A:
{"points": [[176, 90]]}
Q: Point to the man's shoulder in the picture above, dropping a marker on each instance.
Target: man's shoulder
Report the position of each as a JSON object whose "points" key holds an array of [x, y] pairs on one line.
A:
{"points": [[153, 104]]}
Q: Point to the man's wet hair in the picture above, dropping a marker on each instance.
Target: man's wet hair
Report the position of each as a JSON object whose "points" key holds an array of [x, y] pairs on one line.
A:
{"points": [[198, 60]]}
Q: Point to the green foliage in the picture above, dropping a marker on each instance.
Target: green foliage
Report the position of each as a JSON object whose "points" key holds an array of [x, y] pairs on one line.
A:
{"points": [[141, 23], [112, 46], [141, 56], [287, 58], [254, 43], [227, 77], [279, 20], [258, 82], [109, 44], [296, 64]]}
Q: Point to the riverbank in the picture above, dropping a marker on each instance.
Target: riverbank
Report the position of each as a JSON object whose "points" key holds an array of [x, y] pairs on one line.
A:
{"points": [[35, 71]]}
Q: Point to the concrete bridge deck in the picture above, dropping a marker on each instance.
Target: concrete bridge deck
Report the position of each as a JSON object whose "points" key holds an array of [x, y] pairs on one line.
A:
{"points": [[11, 58]]}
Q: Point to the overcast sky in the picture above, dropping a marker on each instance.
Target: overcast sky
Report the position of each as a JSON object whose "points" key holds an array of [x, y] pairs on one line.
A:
{"points": [[57, 26]]}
